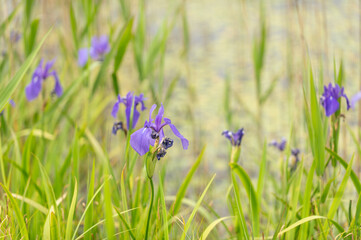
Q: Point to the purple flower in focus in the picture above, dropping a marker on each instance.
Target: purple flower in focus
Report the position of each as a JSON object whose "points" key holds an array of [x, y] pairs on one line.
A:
{"points": [[99, 47], [152, 131], [128, 101], [280, 145], [330, 96], [294, 159], [40, 74], [234, 137]]}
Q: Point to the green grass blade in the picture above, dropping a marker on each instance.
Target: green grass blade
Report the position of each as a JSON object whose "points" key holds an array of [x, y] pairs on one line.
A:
{"points": [[247, 184], [164, 210], [89, 215], [183, 188], [69, 223], [338, 197], [189, 221], [19, 217], [208, 230], [353, 176]]}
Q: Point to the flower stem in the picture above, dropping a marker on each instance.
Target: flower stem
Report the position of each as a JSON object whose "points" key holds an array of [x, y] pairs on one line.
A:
{"points": [[150, 207]]}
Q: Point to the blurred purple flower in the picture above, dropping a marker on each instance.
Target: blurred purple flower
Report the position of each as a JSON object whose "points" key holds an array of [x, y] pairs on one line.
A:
{"points": [[128, 101], [355, 98], [82, 56], [280, 145], [99, 47], [234, 137], [330, 96], [152, 130], [40, 74]]}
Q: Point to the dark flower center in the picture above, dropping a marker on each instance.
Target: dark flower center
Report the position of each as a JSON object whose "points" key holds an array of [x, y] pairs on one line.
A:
{"points": [[154, 135], [167, 142]]}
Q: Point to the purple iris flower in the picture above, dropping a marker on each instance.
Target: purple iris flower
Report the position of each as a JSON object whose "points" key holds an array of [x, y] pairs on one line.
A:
{"points": [[40, 74], [234, 137], [330, 96], [280, 145], [141, 139], [99, 47], [82, 56], [128, 101]]}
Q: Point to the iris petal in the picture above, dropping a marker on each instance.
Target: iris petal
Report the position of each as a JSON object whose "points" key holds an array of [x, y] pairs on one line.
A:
{"points": [[140, 140], [185, 142], [82, 56]]}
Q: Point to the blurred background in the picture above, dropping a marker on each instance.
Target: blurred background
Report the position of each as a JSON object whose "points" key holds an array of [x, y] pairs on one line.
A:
{"points": [[198, 58]]}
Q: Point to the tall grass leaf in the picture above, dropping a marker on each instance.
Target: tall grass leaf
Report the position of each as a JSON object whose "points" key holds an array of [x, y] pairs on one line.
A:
{"points": [[164, 210], [240, 216], [8, 20], [353, 176], [190, 219], [89, 204], [8, 90], [54, 230], [32, 203], [18, 215], [338, 197], [247, 184], [31, 38], [183, 188], [356, 219], [123, 44], [47, 225], [262, 174], [211, 226], [108, 209], [73, 24], [69, 223], [298, 223], [89, 215]]}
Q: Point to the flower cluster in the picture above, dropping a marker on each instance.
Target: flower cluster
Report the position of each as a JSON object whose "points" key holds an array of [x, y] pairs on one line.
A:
{"points": [[152, 134], [40, 74], [330, 97], [279, 145], [128, 102], [234, 137], [99, 47]]}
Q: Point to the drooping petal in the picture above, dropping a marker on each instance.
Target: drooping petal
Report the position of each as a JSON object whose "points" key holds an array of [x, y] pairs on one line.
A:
{"points": [[185, 142], [355, 98], [331, 106], [58, 89], [140, 140], [82, 56], [342, 94], [115, 109], [33, 89]]}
